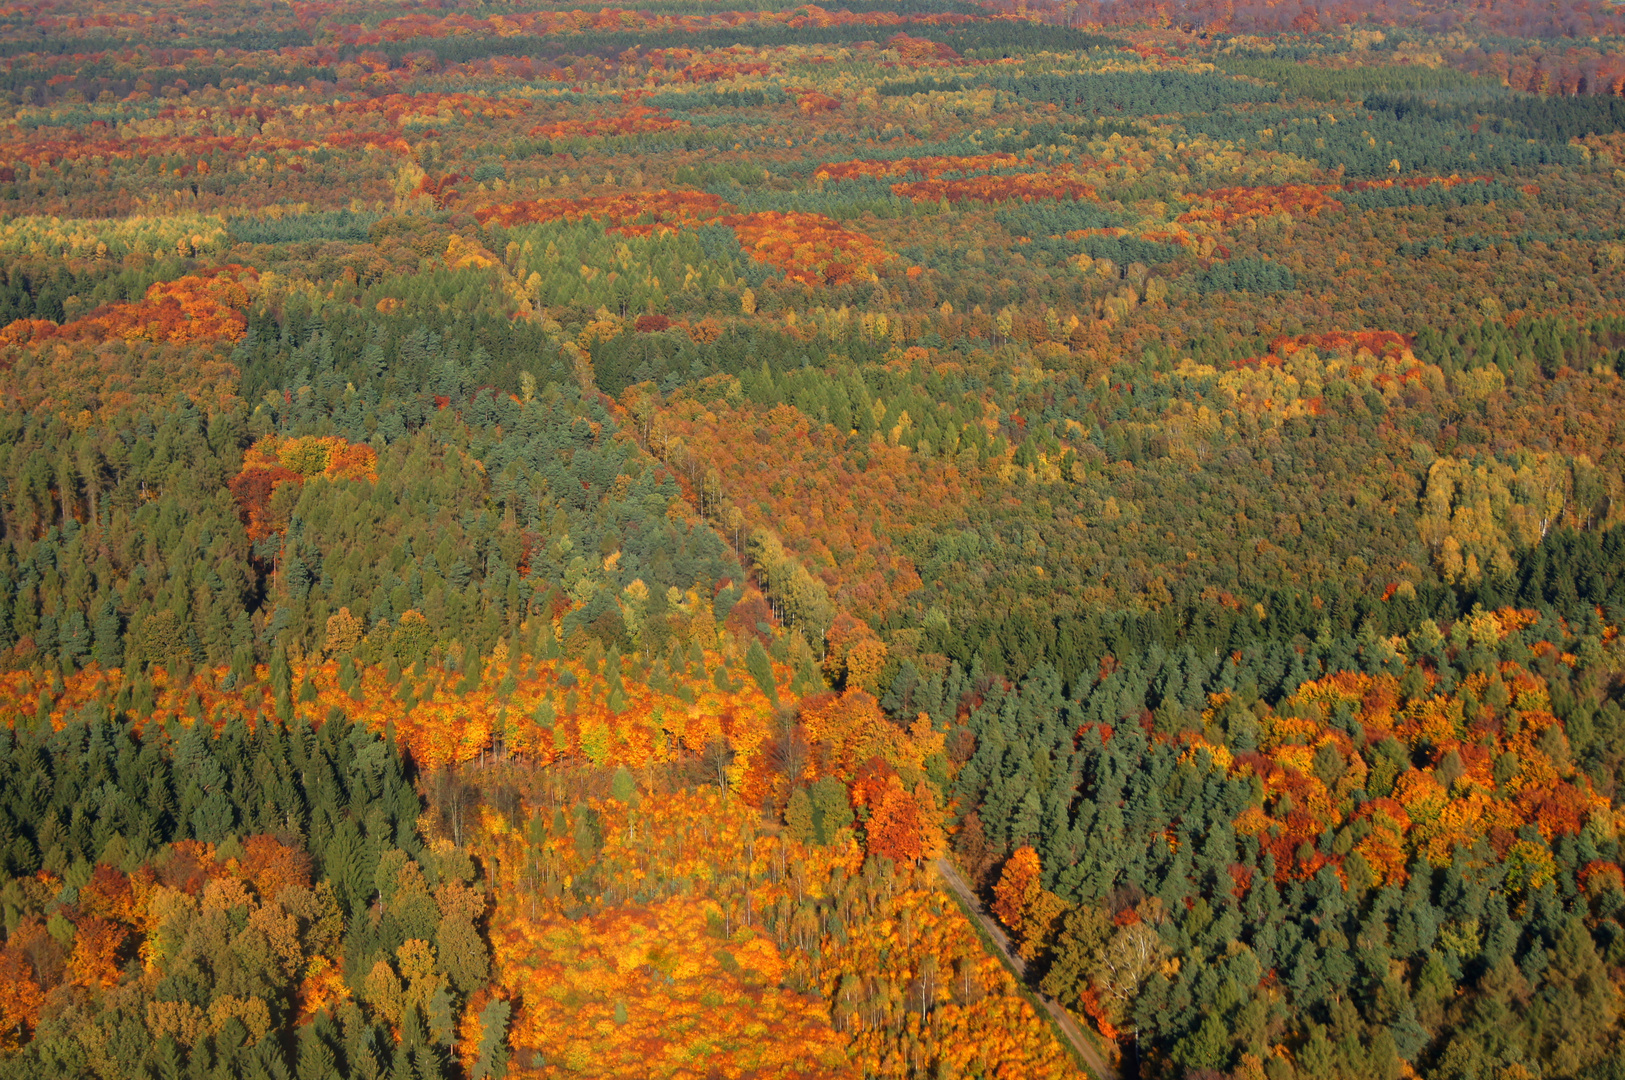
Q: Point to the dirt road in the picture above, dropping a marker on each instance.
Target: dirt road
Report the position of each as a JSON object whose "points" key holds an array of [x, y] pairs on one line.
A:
{"points": [[1063, 1019]]}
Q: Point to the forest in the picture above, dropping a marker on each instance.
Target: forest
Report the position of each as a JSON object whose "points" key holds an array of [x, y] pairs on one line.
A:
{"points": [[905, 538]]}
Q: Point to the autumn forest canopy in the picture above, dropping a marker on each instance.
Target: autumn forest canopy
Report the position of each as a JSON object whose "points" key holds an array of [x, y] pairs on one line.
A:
{"points": [[904, 538]]}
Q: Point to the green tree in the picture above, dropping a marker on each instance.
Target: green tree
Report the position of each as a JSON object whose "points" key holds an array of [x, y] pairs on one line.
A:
{"points": [[831, 806], [462, 953], [761, 669], [108, 650], [798, 816], [443, 1019], [491, 1063], [1084, 933]]}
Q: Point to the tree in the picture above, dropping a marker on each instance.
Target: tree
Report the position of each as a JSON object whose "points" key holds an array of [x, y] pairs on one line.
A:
{"points": [[1574, 1017], [344, 632], [382, 990], [761, 670], [108, 650], [798, 816], [1132, 955], [622, 787], [316, 1061], [895, 827], [20, 994], [462, 953], [1017, 889], [1076, 953], [831, 808], [491, 1062], [442, 1019]]}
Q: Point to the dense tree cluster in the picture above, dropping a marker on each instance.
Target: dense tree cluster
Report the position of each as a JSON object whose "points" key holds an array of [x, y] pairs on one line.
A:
{"points": [[525, 534], [235, 872]]}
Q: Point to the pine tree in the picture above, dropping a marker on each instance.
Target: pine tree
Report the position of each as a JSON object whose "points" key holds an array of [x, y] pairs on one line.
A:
{"points": [[108, 650], [761, 670], [798, 816], [282, 684], [491, 1062], [315, 1060], [443, 1019], [831, 808]]}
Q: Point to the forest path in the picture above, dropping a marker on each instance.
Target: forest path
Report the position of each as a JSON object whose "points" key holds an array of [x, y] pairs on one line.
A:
{"points": [[1063, 1019]]}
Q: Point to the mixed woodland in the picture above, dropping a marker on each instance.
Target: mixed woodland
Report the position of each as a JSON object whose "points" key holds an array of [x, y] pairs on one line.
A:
{"points": [[535, 542]]}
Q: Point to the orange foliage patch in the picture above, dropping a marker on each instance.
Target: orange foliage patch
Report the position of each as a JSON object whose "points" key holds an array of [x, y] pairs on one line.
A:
{"points": [[1017, 889], [883, 765], [272, 866], [666, 209], [1361, 361], [714, 71], [20, 993], [94, 963], [1429, 813], [648, 991], [1092, 1008], [201, 133], [1379, 343], [274, 461], [63, 146], [995, 189], [850, 730], [115, 919], [28, 331], [811, 102], [913, 50], [836, 506], [638, 120], [314, 455], [1156, 53], [447, 725], [398, 107], [898, 826], [977, 1022], [1227, 205], [929, 167], [577, 723], [809, 248], [1231, 204], [705, 972], [190, 309], [108, 894]]}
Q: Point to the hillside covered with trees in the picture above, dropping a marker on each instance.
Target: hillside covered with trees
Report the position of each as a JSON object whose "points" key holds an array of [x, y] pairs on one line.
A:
{"points": [[539, 542]]}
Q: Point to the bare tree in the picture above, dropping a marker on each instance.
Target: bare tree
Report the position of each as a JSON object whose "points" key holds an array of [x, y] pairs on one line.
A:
{"points": [[718, 756], [1130, 958]]}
